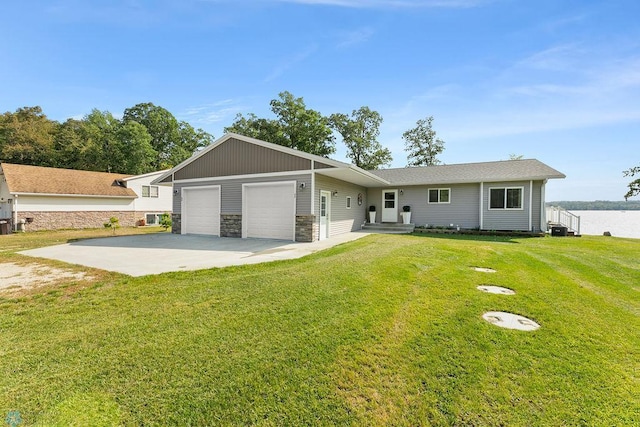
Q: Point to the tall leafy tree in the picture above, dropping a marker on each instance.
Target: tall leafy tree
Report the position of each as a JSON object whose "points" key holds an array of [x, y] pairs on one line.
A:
{"points": [[134, 144], [115, 146], [189, 141], [26, 137], [304, 129], [70, 145], [173, 141], [422, 144], [161, 125], [634, 186], [360, 133], [255, 127], [295, 126]]}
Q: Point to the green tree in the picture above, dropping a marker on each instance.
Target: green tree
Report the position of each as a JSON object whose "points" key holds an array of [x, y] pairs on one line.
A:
{"points": [[115, 146], [360, 135], [134, 145], [422, 144], [70, 146], [26, 137], [172, 141], [295, 126], [255, 127], [189, 141], [634, 186]]}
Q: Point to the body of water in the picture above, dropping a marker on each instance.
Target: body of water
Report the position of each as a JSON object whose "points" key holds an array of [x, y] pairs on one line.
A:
{"points": [[618, 223]]}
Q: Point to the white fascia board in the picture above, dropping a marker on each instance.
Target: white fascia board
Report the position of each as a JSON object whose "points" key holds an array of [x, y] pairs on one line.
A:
{"points": [[146, 175], [369, 174], [96, 196], [255, 175]]}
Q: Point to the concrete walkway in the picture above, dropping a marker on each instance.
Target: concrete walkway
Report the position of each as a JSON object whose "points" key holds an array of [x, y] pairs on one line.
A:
{"points": [[164, 252]]}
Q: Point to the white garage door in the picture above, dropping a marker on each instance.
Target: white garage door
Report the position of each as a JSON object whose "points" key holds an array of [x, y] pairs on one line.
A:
{"points": [[269, 210], [201, 210]]}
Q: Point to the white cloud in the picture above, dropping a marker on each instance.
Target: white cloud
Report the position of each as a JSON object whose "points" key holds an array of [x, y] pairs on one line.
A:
{"points": [[562, 87], [215, 112], [290, 62], [352, 38]]}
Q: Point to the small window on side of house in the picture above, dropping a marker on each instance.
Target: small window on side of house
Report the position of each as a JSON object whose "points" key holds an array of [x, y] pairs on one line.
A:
{"points": [[439, 195], [149, 191], [348, 202]]}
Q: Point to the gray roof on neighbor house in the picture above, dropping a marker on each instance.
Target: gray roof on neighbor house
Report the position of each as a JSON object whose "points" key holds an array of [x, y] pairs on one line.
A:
{"points": [[506, 170]]}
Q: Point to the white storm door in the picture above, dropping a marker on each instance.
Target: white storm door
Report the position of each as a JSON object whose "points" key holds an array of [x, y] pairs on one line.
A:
{"points": [[325, 208], [201, 210], [389, 206]]}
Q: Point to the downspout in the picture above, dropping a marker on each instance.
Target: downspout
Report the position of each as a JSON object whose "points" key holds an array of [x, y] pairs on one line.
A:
{"points": [[531, 205], [481, 202]]}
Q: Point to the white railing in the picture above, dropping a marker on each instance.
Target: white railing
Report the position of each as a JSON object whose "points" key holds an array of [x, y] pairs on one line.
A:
{"points": [[560, 216]]}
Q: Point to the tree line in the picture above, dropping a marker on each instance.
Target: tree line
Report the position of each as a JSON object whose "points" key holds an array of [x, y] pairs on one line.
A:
{"points": [[147, 138], [598, 205]]}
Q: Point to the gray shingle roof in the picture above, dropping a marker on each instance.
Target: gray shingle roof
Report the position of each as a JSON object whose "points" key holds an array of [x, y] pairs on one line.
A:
{"points": [[506, 170]]}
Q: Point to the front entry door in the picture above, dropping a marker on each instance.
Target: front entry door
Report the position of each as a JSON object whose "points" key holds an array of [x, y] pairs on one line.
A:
{"points": [[390, 206], [325, 200]]}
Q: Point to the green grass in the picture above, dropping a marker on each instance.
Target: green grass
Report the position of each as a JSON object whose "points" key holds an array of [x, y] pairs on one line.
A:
{"points": [[386, 330]]}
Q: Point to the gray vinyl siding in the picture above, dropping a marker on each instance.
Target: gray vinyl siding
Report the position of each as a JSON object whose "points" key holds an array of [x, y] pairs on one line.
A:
{"points": [[235, 157], [512, 219], [537, 204], [463, 209], [231, 192], [343, 220]]}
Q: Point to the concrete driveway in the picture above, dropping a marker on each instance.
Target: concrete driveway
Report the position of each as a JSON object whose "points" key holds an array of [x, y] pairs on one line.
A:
{"points": [[164, 252]]}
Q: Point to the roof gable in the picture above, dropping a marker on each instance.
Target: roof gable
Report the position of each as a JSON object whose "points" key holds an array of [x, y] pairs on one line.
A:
{"points": [[24, 179], [235, 156]]}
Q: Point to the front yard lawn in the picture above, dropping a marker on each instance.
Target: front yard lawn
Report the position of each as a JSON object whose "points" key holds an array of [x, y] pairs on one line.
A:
{"points": [[386, 330]]}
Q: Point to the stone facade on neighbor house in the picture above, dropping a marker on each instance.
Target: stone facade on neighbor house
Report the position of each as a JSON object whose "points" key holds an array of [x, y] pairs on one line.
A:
{"points": [[37, 198], [244, 187], [38, 221]]}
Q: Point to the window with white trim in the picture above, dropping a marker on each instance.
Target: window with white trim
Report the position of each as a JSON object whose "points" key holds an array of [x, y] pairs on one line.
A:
{"points": [[506, 198], [348, 202], [439, 195], [149, 191]]}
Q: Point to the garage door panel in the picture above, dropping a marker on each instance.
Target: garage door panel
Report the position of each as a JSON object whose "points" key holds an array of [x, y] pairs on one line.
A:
{"points": [[201, 211], [269, 211]]}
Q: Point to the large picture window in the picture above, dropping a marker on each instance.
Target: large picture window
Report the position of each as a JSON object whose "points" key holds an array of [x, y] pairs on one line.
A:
{"points": [[505, 198], [439, 195]]}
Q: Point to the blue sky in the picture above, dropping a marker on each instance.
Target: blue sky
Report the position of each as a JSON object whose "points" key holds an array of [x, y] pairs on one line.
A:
{"points": [[548, 79]]}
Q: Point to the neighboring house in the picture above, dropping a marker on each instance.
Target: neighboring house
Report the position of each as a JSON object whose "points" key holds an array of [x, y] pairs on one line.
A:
{"points": [[40, 198], [244, 187]]}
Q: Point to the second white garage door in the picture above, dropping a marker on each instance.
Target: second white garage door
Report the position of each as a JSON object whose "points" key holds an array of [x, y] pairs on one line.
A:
{"points": [[269, 210], [201, 210]]}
